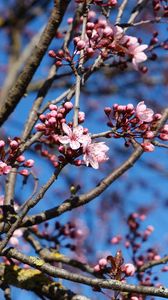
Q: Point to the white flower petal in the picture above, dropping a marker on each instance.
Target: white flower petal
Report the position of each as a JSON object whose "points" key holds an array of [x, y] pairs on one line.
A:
{"points": [[67, 129]]}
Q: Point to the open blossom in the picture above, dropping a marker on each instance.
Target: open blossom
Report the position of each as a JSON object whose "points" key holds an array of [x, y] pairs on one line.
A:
{"points": [[94, 154], [143, 113], [74, 137], [4, 168], [138, 55]]}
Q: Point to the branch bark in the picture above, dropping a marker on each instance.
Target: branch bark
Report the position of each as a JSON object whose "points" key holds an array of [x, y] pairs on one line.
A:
{"points": [[116, 285], [18, 90]]}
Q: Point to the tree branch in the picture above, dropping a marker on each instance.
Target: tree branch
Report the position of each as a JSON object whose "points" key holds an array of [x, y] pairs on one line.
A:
{"points": [[18, 90]]}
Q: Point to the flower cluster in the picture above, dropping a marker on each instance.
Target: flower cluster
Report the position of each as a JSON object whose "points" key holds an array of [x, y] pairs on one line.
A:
{"points": [[104, 39], [114, 267], [131, 122], [71, 142], [9, 156]]}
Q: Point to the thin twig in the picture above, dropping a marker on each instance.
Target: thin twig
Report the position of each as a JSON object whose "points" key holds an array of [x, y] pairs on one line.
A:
{"points": [[121, 11]]}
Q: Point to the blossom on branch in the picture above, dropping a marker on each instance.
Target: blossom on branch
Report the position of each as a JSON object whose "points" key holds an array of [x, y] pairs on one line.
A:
{"points": [[143, 113], [74, 137], [4, 168], [94, 154]]}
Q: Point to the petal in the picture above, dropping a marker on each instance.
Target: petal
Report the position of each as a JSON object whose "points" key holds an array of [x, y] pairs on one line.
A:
{"points": [[141, 48], [74, 145], [67, 129], [78, 130], [85, 139], [140, 57], [64, 139], [94, 163]]}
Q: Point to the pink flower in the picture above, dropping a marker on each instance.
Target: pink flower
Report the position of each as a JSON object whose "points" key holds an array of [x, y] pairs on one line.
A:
{"points": [[143, 113], [148, 147], [74, 137], [136, 50], [4, 168], [94, 154], [129, 269]]}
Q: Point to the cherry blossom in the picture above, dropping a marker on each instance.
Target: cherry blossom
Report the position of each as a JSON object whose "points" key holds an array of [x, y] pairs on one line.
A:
{"points": [[138, 55], [143, 113], [4, 168], [94, 154], [74, 137]]}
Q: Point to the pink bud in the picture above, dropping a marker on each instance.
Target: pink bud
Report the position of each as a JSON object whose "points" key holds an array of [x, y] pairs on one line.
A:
{"points": [[157, 257], [165, 129], [90, 51], [2, 143], [150, 228], [134, 298], [20, 158], [102, 262], [116, 239], [108, 31], [112, 2], [97, 268], [29, 163], [157, 116], [24, 172], [148, 147], [163, 136], [149, 134], [52, 121], [58, 63], [76, 40], [90, 25], [81, 116], [40, 127], [78, 162], [130, 106], [107, 110], [42, 117], [68, 106], [53, 113], [81, 45], [129, 269], [51, 53], [14, 144], [52, 107], [70, 21]]}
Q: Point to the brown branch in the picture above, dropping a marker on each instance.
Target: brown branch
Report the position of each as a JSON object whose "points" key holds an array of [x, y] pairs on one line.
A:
{"points": [[137, 9], [70, 204], [18, 90], [153, 263], [28, 205], [121, 11], [54, 256], [116, 285], [37, 282]]}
